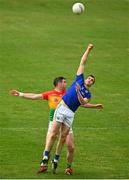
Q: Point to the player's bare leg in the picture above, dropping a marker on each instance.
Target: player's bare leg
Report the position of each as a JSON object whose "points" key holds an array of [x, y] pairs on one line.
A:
{"points": [[54, 139], [51, 138], [61, 141], [49, 143], [70, 153], [62, 138], [47, 137]]}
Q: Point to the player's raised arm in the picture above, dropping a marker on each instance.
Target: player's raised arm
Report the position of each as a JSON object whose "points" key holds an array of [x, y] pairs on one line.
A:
{"points": [[32, 96], [84, 59]]}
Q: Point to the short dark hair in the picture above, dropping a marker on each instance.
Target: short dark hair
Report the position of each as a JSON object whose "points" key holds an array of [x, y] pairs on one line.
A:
{"points": [[92, 77], [58, 79]]}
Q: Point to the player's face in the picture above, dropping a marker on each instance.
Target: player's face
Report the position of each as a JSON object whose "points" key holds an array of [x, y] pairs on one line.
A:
{"points": [[62, 84], [89, 81]]}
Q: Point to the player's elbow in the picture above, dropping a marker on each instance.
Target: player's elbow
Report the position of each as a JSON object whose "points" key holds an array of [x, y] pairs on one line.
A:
{"points": [[37, 96], [82, 63], [34, 97]]}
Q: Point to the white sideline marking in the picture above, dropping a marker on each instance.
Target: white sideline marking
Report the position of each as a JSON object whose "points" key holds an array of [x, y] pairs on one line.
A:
{"points": [[77, 128]]}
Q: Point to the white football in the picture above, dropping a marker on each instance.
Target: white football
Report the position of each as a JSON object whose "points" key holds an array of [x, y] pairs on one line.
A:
{"points": [[78, 8]]}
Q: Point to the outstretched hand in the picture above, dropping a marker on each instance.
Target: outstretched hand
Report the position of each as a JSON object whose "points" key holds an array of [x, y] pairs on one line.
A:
{"points": [[14, 93], [90, 46], [99, 106]]}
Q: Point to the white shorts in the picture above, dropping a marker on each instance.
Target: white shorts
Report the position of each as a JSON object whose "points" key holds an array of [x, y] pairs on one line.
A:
{"points": [[63, 114], [50, 126]]}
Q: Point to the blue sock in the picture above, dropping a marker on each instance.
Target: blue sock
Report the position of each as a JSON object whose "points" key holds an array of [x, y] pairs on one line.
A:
{"points": [[56, 158], [46, 154]]}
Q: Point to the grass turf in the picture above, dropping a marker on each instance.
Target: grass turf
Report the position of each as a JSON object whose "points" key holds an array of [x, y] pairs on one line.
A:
{"points": [[40, 40]]}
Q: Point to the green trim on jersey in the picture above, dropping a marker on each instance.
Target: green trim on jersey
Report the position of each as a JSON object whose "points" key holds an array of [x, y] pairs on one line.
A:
{"points": [[51, 114]]}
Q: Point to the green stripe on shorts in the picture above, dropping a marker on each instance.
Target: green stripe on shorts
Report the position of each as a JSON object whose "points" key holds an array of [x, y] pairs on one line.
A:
{"points": [[51, 114]]}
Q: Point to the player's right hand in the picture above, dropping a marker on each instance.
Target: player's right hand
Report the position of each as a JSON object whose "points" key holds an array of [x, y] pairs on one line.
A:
{"points": [[14, 93], [90, 46]]}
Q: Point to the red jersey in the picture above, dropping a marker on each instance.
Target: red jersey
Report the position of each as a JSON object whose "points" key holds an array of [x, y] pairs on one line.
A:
{"points": [[53, 97]]}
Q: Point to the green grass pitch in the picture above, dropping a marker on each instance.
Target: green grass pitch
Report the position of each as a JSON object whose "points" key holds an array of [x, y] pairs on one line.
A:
{"points": [[42, 39]]}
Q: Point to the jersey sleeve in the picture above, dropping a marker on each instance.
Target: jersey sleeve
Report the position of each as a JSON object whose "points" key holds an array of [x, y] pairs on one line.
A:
{"points": [[45, 95], [88, 95], [80, 79]]}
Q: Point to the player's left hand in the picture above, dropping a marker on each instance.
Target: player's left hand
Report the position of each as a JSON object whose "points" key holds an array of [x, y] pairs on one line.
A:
{"points": [[99, 106]]}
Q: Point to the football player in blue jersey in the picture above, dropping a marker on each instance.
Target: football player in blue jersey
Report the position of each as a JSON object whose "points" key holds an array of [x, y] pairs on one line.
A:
{"points": [[77, 94]]}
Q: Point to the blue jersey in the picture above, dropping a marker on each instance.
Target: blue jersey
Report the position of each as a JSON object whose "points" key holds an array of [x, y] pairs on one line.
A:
{"points": [[71, 97]]}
